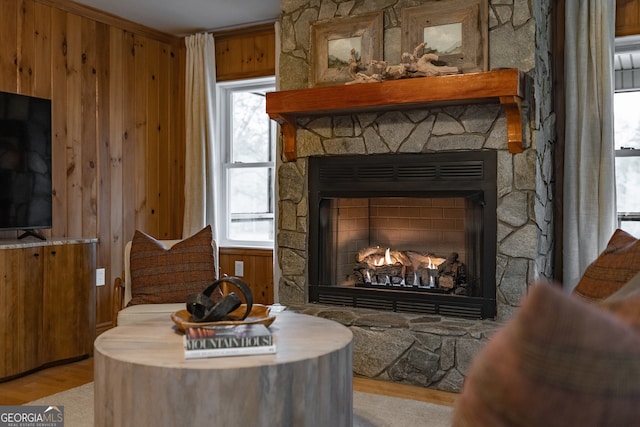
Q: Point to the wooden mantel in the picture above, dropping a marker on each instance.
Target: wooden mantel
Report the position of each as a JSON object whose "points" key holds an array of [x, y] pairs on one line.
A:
{"points": [[505, 86]]}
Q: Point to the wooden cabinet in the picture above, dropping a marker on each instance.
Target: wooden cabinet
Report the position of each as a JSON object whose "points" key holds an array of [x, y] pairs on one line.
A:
{"points": [[21, 314], [47, 295], [69, 301]]}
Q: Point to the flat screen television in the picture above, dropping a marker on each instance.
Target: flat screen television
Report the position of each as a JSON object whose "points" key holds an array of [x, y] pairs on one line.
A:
{"points": [[25, 163]]}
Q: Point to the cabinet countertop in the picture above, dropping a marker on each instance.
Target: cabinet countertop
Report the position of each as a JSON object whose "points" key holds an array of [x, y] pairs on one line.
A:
{"points": [[32, 243]]}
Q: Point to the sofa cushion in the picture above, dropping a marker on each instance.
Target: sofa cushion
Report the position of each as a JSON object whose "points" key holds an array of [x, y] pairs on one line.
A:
{"points": [[615, 266], [142, 312], [560, 361], [160, 275]]}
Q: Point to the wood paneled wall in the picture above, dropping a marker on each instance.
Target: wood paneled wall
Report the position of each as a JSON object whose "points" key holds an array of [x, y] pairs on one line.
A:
{"points": [[118, 123], [246, 53], [258, 270], [117, 91], [627, 17]]}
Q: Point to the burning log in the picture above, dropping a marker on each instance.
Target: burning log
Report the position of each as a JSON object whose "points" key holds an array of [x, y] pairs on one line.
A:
{"points": [[448, 264], [419, 260], [383, 275], [386, 267], [452, 272], [379, 256], [367, 252], [446, 282]]}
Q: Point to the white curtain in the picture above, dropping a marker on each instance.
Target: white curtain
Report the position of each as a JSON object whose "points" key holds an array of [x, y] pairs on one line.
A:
{"points": [[589, 209], [199, 208]]}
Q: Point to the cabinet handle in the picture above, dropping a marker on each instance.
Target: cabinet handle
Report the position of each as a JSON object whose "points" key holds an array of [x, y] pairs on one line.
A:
{"points": [[53, 252], [36, 255]]}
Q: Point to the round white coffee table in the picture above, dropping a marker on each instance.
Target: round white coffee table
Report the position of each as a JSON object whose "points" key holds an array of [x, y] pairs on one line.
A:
{"points": [[142, 378]]}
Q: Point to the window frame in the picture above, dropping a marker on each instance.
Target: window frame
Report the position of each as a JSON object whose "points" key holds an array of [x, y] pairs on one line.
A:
{"points": [[626, 216], [224, 91], [625, 70]]}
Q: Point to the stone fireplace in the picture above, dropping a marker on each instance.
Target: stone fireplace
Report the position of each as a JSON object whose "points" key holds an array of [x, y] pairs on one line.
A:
{"points": [[405, 232], [423, 132], [428, 348]]}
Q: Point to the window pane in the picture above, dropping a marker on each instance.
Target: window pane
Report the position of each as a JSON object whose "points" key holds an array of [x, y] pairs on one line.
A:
{"points": [[627, 119], [627, 180], [627, 135], [251, 204], [246, 154], [631, 227], [251, 138]]}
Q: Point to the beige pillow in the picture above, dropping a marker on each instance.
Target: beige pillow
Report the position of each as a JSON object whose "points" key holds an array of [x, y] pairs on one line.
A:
{"points": [[625, 303], [560, 361], [615, 266], [160, 275], [628, 289]]}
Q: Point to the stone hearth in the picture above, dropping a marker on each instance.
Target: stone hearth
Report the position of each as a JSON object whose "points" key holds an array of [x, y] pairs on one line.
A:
{"points": [[428, 351], [431, 351]]}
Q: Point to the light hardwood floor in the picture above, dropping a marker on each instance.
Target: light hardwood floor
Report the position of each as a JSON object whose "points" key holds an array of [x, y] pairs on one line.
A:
{"points": [[63, 377], [46, 382], [404, 391]]}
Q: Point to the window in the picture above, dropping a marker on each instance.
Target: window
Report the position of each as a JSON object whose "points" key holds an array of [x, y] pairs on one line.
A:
{"points": [[246, 154], [627, 145]]}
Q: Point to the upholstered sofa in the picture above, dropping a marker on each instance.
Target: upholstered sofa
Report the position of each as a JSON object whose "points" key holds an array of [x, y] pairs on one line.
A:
{"points": [[159, 274], [565, 358]]}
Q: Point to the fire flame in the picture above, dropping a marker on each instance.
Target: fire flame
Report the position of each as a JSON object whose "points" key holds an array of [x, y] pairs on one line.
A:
{"points": [[386, 260]]}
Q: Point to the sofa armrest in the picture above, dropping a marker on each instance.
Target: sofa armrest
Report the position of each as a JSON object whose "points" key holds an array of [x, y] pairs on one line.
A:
{"points": [[118, 299]]}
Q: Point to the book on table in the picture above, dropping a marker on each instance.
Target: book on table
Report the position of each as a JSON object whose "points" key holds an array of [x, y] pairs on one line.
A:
{"points": [[227, 340]]}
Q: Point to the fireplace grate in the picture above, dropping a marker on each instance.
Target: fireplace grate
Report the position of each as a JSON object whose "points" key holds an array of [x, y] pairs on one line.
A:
{"points": [[374, 304], [378, 173], [417, 307], [335, 300], [416, 172], [469, 312], [463, 170], [442, 309], [443, 170]]}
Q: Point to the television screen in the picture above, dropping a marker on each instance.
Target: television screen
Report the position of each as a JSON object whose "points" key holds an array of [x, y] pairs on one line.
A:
{"points": [[25, 162]]}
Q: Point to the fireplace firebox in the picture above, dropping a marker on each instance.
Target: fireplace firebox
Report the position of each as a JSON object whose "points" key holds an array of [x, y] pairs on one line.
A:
{"points": [[405, 232]]}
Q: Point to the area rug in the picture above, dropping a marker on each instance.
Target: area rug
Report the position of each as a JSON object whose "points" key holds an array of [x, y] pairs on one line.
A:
{"points": [[369, 410]]}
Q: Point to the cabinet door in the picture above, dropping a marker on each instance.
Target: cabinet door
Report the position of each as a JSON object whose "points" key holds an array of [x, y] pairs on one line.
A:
{"points": [[21, 313], [69, 301]]}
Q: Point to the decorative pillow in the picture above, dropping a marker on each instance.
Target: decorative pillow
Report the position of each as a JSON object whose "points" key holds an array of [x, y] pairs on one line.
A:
{"points": [[560, 361], [615, 266], [625, 303], [160, 275]]}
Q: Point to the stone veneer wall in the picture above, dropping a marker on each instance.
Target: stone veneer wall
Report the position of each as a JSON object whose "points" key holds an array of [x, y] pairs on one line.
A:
{"points": [[519, 36]]}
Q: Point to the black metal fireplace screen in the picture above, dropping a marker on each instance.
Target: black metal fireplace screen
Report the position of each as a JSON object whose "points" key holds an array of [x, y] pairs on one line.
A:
{"points": [[404, 232]]}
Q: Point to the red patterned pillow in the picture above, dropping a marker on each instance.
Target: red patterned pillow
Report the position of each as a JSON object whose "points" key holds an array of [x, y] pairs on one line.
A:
{"points": [[615, 266], [160, 275], [560, 361]]}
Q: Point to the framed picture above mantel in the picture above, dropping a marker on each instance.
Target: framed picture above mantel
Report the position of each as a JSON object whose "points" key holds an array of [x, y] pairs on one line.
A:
{"points": [[455, 30], [338, 44]]}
